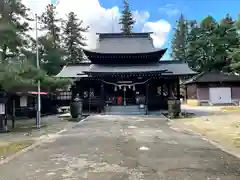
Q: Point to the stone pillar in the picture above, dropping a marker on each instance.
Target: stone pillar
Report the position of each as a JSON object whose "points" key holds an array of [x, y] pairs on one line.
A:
{"points": [[174, 108], [178, 89], [174, 104]]}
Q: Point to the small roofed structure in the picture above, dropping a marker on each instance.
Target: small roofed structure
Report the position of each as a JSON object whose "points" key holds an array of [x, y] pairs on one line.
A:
{"points": [[213, 88], [125, 71]]}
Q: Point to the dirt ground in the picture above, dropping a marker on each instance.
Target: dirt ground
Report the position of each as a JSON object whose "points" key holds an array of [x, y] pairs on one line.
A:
{"points": [[223, 129], [25, 134], [123, 148]]}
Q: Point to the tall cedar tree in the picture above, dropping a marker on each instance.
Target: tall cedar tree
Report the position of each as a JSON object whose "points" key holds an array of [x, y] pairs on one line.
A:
{"points": [[234, 53], [126, 20], [180, 39], [13, 28], [206, 49], [191, 44], [51, 53], [209, 43], [50, 24], [227, 40], [73, 38], [200, 50]]}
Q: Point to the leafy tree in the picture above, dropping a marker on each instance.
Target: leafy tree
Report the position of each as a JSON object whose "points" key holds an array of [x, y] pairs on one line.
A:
{"points": [[13, 28], [208, 42], [51, 52], [234, 53], [179, 41], [191, 45], [23, 76], [126, 20], [206, 57], [51, 57], [50, 23], [211, 45], [224, 40], [73, 38]]}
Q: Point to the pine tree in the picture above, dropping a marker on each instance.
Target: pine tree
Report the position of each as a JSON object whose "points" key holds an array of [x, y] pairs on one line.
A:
{"points": [[51, 52], [180, 40], [126, 20], [191, 45], [234, 52], [51, 24], [73, 38], [13, 28], [226, 41]]}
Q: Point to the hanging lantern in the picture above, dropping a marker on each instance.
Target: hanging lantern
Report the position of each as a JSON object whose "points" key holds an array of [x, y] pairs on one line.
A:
{"points": [[115, 88], [129, 86], [124, 88], [134, 89]]}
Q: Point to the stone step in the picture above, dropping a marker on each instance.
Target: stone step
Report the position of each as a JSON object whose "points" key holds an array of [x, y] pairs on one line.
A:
{"points": [[124, 110], [125, 113]]}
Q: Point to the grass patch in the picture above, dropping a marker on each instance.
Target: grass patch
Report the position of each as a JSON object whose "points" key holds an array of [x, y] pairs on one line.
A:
{"points": [[231, 108], [224, 129], [11, 148]]}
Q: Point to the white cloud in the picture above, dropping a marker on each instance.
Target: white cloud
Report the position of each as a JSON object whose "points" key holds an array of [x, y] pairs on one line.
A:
{"points": [[160, 31], [103, 20]]}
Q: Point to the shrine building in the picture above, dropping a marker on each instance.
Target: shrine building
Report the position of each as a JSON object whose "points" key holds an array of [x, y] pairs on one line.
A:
{"points": [[124, 75]]}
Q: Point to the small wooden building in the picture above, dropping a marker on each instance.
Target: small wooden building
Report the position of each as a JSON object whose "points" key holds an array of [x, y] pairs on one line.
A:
{"points": [[124, 73], [213, 88]]}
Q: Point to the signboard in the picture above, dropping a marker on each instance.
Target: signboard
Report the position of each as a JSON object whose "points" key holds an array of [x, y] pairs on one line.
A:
{"points": [[23, 101], [2, 108]]}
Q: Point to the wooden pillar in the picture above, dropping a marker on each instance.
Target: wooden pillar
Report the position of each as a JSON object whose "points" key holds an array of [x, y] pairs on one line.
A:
{"points": [[147, 90], [102, 97], [169, 87], [74, 91], [178, 88]]}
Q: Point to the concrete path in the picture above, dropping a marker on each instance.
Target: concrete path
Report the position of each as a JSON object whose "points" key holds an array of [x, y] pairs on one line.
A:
{"points": [[123, 148]]}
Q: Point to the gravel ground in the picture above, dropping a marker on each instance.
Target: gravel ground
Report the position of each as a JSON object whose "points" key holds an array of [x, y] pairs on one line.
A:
{"points": [[123, 148]]}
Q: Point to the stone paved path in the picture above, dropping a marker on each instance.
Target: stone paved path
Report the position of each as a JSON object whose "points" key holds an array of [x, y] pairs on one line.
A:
{"points": [[123, 148]]}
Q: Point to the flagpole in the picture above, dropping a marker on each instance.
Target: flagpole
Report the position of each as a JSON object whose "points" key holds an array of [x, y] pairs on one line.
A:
{"points": [[38, 115], [38, 83]]}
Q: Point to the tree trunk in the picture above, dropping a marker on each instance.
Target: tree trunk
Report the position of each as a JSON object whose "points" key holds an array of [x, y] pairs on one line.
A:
{"points": [[13, 114]]}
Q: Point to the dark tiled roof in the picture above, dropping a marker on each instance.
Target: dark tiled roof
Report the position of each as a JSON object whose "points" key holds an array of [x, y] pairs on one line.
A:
{"points": [[120, 35], [72, 71], [213, 77], [176, 68], [117, 43], [125, 58]]}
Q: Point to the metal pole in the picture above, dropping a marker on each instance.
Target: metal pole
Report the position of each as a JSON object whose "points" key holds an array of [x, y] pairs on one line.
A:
{"points": [[38, 83]]}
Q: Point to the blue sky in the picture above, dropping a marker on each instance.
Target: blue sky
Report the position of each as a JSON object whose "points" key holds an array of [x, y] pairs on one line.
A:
{"points": [[192, 9], [168, 10]]}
